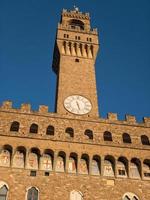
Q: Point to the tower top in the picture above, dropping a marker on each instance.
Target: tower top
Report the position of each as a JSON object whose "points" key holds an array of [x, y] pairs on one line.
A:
{"points": [[75, 13], [76, 21]]}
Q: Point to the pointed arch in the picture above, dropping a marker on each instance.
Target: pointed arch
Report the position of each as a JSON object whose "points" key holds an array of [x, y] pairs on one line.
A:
{"points": [[3, 190], [32, 193], [130, 196], [76, 195]]}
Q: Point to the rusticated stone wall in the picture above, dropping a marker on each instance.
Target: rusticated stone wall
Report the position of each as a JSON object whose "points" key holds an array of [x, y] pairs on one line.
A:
{"points": [[111, 154]]}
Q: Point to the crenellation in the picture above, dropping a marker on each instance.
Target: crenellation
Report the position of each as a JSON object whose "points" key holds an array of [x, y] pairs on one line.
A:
{"points": [[7, 104], [75, 14], [112, 116], [25, 108], [146, 120], [43, 109], [130, 118]]}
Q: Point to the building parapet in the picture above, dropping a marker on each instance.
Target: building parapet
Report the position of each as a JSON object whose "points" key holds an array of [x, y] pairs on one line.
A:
{"points": [[43, 109], [75, 14]]}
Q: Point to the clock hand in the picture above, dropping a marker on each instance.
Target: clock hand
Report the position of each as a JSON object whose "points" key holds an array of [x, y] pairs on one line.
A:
{"points": [[78, 105]]}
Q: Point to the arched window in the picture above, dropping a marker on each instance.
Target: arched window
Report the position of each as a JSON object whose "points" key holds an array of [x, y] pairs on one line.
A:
{"points": [[75, 195], [70, 131], [3, 192], [146, 168], [135, 168], [60, 162], [84, 164], [95, 169], [46, 160], [32, 194], [145, 140], [33, 158], [76, 23], [126, 138], [34, 128], [14, 126], [130, 196], [89, 134], [109, 166], [50, 130], [19, 157], [122, 167], [72, 163], [107, 136], [5, 156]]}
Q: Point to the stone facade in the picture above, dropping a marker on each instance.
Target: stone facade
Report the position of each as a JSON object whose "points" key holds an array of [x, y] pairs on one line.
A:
{"points": [[63, 156]]}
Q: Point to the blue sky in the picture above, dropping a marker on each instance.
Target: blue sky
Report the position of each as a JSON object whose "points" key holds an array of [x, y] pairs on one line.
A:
{"points": [[27, 34]]}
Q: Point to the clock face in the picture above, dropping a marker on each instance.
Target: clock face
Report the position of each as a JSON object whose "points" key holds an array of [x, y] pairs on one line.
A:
{"points": [[77, 104]]}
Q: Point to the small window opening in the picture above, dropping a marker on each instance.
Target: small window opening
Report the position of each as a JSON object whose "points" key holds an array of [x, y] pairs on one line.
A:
{"points": [[70, 131], [50, 130], [14, 126], [66, 36], [122, 172], [107, 136], [89, 134], [126, 138], [32, 173], [77, 60], [145, 140], [34, 128], [146, 174], [46, 173]]}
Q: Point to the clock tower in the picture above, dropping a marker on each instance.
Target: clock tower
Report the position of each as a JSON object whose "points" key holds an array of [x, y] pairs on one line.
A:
{"points": [[74, 58]]}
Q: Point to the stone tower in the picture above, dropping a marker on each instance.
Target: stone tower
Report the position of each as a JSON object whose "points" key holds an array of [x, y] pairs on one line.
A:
{"points": [[73, 154], [75, 52]]}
